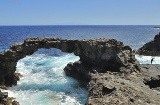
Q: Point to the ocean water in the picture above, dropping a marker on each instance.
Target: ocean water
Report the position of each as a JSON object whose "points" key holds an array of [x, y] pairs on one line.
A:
{"points": [[44, 81]]}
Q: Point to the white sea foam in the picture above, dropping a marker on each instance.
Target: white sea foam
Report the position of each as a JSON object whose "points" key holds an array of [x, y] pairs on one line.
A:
{"points": [[45, 83], [147, 59]]}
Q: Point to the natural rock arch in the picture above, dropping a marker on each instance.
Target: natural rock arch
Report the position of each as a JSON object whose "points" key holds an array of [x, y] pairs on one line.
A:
{"points": [[105, 54]]}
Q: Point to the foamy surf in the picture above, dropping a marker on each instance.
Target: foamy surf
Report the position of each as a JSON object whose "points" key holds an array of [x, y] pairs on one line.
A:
{"points": [[45, 83], [10, 93], [147, 59]]}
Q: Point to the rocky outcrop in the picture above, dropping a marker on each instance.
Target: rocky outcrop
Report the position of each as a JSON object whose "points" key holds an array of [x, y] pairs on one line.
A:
{"points": [[113, 88], [5, 100], [151, 48], [107, 54], [109, 67], [157, 27]]}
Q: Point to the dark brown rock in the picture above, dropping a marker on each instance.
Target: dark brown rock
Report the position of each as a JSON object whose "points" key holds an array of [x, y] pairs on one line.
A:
{"points": [[151, 48], [15, 103], [5, 100], [158, 27], [113, 88], [108, 54]]}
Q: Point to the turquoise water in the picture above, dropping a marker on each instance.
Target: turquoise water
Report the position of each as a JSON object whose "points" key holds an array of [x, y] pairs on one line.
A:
{"points": [[44, 81]]}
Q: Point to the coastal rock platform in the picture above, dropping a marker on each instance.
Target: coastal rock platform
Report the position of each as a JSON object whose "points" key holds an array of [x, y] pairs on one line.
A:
{"points": [[113, 88], [108, 67]]}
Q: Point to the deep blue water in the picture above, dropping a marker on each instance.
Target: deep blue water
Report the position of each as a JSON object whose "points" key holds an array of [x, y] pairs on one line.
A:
{"points": [[44, 81], [135, 36]]}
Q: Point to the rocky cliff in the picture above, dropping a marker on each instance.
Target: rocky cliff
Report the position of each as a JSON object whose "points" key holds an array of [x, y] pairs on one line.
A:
{"points": [[109, 67], [151, 48]]}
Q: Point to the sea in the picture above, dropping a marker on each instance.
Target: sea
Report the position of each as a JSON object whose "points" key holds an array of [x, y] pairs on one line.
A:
{"points": [[44, 81]]}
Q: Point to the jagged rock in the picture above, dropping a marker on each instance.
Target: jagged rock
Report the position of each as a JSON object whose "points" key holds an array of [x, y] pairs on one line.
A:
{"points": [[105, 53], [5, 100], [113, 88], [108, 54], [158, 27], [151, 48], [78, 70], [15, 103]]}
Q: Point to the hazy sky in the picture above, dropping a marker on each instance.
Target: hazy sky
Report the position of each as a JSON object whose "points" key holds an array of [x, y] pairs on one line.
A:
{"points": [[79, 12]]}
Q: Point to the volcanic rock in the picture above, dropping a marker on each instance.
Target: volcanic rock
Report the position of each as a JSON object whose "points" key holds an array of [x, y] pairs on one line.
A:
{"points": [[107, 54], [151, 48], [5, 100]]}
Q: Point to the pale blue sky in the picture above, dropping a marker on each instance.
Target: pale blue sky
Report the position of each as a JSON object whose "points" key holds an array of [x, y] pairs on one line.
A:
{"points": [[79, 12]]}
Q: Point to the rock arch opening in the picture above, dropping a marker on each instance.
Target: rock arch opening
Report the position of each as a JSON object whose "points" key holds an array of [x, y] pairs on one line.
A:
{"points": [[43, 72]]}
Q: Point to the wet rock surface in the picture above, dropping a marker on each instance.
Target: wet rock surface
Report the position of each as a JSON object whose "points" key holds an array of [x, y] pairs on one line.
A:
{"points": [[151, 48], [5, 100], [108, 67]]}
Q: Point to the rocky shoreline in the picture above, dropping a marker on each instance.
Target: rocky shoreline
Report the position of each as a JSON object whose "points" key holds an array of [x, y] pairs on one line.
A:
{"points": [[5, 100], [157, 27], [108, 67], [151, 48]]}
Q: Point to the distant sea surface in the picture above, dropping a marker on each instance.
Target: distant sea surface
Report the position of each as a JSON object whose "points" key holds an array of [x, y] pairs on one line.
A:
{"points": [[44, 81], [133, 35]]}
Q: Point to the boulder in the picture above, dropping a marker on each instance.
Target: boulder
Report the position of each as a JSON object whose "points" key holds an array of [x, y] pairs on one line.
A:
{"points": [[151, 48], [5, 100]]}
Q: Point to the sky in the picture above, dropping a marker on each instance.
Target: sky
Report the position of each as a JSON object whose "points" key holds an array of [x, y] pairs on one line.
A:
{"points": [[79, 12]]}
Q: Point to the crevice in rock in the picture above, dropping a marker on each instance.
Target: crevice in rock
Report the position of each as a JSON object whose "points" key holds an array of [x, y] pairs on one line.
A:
{"points": [[112, 68], [153, 83], [106, 90]]}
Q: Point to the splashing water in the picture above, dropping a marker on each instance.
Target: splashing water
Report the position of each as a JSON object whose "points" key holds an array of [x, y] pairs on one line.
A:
{"points": [[45, 83], [147, 59]]}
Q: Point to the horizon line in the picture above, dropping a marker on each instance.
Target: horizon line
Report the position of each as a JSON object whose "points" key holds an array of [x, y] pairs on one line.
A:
{"points": [[88, 25]]}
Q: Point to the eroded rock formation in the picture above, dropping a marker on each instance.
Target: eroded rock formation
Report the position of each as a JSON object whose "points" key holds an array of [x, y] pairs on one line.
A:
{"points": [[109, 67], [107, 54], [151, 48]]}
